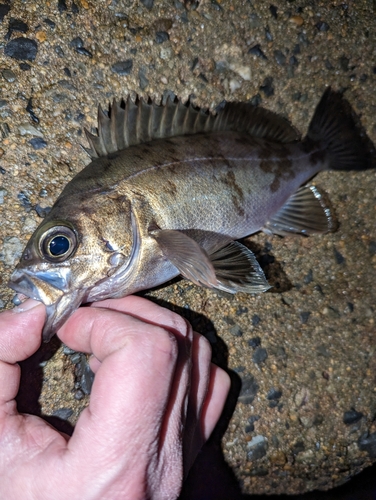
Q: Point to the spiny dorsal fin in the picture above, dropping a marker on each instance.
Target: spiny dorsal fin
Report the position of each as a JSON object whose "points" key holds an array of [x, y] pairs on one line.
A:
{"points": [[131, 123]]}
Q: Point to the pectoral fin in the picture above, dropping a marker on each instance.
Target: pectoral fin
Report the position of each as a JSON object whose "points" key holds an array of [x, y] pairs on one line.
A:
{"points": [[186, 255], [237, 270], [233, 268], [306, 212]]}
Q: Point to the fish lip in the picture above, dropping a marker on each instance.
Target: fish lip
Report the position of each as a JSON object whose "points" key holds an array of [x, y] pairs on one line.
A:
{"points": [[20, 282]]}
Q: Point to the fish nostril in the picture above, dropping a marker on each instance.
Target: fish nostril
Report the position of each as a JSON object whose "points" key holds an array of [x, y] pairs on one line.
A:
{"points": [[26, 255]]}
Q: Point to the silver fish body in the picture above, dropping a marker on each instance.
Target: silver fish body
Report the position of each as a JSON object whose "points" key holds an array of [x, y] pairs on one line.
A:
{"points": [[174, 199]]}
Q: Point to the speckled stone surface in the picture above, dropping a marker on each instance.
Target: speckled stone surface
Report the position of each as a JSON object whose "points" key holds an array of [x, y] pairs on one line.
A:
{"points": [[302, 356]]}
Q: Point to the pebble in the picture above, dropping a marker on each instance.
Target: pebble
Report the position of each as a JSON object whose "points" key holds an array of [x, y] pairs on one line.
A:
{"points": [[340, 259], [24, 199], [260, 355], [274, 394], [62, 6], [280, 57], [251, 420], [4, 9], [21, 49], [267, 86], [322, 26], [344, 63], [297, 20], [2, 304], [256, 100], [248, 390], [77, 42], [254, 342], [16, 25], [4, 130], [298, 447], [234, 85], [28, 129], [274, 11], [304, 316], [16, 300], [76, 358], [87, 378], [143, 81], [63, 413], [255, 319], [42, 211], [8, 75], [122, 68], [83, 51], [352, 416], [236, 331], [49, 23], [308, 278], [148, 3], [268, 35], [41, 36], [25, 66], [3, 103], [38, 143], [11, 250], [303, 39], [257, 51], [372, 247], [3, 192], [30, 110], [257, 448], [165, 53], [78, 395], [59, 51], [367, 442], [161, 36], [67, 350]]}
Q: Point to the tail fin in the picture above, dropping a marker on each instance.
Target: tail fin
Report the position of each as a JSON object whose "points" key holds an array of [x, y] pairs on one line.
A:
{"points": [[338, 130]]}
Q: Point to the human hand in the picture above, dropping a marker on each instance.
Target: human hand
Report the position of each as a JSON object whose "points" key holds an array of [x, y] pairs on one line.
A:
{"points": [[155, 399]]}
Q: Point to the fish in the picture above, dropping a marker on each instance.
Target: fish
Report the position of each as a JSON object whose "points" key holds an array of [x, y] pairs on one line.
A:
{"points": [[171, 189]]}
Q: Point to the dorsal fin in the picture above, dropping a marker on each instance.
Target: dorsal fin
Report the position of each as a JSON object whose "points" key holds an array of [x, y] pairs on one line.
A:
{"points": [[131, 123]]}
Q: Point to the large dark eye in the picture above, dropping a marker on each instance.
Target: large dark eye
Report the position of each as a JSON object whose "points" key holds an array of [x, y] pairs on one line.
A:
{"points": [[58, 243]]}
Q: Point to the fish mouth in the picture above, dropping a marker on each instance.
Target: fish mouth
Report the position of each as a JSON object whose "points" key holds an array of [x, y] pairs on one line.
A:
{"points": [[21, 283], [50, 288], [45, 286]]}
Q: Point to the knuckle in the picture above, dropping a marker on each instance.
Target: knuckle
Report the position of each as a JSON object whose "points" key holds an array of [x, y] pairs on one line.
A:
{"points": [[180, 325], [167, 343]]}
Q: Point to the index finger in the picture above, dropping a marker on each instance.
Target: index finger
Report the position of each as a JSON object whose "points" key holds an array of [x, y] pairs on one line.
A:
{"points": [[145, 310]]}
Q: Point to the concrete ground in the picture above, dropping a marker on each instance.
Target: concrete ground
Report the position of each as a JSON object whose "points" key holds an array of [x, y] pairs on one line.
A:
{"points": [[301, 414]]}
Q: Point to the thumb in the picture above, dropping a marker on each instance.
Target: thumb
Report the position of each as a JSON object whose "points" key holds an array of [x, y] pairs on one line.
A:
{"points": [[21, 331]]}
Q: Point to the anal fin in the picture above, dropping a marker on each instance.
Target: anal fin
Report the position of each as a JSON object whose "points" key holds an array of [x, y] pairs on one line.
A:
{"points": [[233, 268], [307, 211]]}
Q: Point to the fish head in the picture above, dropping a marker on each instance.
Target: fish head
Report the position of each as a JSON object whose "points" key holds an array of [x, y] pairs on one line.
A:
{"points": [[75, 253]]}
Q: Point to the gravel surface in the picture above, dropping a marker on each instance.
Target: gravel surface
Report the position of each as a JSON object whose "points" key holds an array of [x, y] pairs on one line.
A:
{"points": [[301, 415]]}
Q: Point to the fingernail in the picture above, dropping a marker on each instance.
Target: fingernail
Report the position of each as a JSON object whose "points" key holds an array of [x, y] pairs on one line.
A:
{"points": [[26, 306]]}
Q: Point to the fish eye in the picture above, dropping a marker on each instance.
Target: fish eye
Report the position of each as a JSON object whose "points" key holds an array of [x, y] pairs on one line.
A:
{"points": [[58, 243]]}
